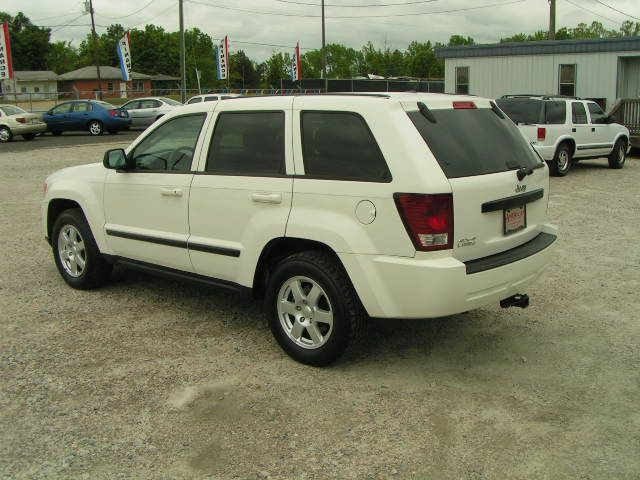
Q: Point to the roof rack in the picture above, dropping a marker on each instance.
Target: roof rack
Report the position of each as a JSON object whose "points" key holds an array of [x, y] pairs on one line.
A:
{"points": [[542, 96]]}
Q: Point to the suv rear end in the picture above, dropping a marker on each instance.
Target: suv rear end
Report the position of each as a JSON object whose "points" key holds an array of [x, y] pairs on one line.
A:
{"points": [[478, 229]]}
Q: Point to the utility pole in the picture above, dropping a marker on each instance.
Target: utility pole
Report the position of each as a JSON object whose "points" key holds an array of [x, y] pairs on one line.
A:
{"points": [[552, 19], [324, 52], [94, 36], [183, 68]]}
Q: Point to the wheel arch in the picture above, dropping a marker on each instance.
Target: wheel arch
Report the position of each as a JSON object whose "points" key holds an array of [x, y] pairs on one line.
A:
{"points": [[55, 207], [568, 141]]}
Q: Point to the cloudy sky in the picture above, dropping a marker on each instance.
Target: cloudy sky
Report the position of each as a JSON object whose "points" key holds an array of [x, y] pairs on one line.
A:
{"points": [[351, 22]]}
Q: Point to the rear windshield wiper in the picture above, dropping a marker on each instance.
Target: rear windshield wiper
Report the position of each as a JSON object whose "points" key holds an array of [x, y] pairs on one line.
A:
{"points": [[426, 113]]}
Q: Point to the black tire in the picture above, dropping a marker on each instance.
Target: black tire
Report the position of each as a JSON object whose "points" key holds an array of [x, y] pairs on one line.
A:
{"points": [[113, 132], [5, 134], [56, 133], [338, 294], [561, 163], [618, 155], [96, 271], [29, 136], [95, 128]]}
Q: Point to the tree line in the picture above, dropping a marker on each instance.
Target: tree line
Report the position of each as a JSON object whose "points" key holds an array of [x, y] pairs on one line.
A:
{"points": [[155, 50]]}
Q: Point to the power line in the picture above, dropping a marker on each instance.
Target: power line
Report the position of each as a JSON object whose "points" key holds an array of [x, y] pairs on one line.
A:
{"points": [[359, 6], [129, 14], [593, 13], [170, 7], [616, 10], [297, 15]]}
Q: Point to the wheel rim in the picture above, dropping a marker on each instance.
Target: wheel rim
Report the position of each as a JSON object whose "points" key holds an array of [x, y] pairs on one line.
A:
{"points": [[563, 160], [305, 312], [4, 135], [71, 251], [621, 154], [94, 128]]}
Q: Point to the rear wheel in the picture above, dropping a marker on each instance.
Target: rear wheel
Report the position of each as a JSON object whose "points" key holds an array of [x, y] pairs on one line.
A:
{"points": [[75, 252], [619, 154], [313, 310], [29, 136], [561, 162], [5, 134], [95, 127]]}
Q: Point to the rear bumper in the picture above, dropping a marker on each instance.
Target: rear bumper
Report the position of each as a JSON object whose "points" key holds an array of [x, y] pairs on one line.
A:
{"points": [[29, 128], [400, 287]]}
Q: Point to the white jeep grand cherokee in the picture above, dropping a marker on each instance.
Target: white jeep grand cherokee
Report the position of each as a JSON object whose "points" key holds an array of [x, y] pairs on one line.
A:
{"points": [[331, 207]]}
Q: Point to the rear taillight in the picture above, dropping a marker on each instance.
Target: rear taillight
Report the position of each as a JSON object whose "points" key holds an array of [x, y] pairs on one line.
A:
{"points": [[21, 120], [542, 134], [428, 219], [464, 105], [114, 113]]}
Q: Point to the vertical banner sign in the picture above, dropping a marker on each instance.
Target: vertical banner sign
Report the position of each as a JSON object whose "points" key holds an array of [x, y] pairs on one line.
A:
{"points": [[124, 54], [6, 65], [223, 58], [296, 67]]}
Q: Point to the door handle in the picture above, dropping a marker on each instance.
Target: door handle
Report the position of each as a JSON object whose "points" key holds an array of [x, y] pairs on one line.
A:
{"points": [[593, 129], [266, 197], [573, 130], [171, 192]]}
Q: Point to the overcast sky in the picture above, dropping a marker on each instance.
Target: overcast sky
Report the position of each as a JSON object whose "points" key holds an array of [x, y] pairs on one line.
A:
{"points": [[395, 25]]}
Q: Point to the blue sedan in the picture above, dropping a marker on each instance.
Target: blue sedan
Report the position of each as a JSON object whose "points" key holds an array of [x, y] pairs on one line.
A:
{"points": [[86, 115]]}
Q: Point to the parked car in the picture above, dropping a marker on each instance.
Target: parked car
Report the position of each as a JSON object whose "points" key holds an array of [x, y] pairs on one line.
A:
{"points": [[93, 116], [403, 206], [565, 130], [211, 97], [145, 111], [16, 121]]}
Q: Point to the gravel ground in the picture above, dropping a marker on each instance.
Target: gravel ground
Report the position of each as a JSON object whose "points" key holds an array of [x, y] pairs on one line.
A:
{"points": [[150, 378]]}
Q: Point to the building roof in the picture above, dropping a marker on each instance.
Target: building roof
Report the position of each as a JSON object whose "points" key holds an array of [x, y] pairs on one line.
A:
{"points": [[35, 75], [106, 73], [162, 77], [544, 47]]}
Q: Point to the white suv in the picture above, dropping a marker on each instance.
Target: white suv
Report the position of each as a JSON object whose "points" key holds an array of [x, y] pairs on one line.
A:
{"points": [[331, 207], [564, 130]]}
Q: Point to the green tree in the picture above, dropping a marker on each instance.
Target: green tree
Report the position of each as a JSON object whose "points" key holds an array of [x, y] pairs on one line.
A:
{"points": [[276, 67], [29, 43], [456, 40], [62, 57], [243, 73]]}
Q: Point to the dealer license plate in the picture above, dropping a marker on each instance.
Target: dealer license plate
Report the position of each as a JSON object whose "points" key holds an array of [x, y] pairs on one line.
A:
{"points": [[515, 219]]}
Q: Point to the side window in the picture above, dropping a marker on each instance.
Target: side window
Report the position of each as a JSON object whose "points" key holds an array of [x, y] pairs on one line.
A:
{"points": [[556, 113], [578, 113], [339, 145], [82, 107], [210, 99], [596, 112], [247, 143], [462, 80], [194, 100], [170, 146], [149, 104], [567, 83], [64, 108], [132, 105]]}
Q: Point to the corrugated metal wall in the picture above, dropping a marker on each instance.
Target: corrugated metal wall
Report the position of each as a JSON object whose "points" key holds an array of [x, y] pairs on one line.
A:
{"points": [[597, 74]]}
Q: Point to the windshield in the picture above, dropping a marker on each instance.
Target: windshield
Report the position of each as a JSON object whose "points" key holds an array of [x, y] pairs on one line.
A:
{"points": [[469, 142], [169, 101], [11, 110], [522, 110]]}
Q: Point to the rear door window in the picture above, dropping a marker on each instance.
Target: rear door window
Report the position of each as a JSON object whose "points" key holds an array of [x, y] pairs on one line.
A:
{"points": [[522, 110], [578, 113], [469, 142], [247, 143], [340, 146]]}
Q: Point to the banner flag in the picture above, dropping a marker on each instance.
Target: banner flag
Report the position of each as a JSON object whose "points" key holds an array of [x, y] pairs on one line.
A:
{"points": [[296, 66], [124, 54], [222, 53], [6, 64]]}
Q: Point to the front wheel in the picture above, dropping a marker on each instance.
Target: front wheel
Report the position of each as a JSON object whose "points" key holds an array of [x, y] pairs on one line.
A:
{"points": [[312, 308], [5, 135], [561, 162], [619, 154], [95, 127], [75, 252]]}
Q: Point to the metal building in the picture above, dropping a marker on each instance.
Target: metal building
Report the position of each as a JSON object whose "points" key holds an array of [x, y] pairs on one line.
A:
{"points": [[600, 69]]}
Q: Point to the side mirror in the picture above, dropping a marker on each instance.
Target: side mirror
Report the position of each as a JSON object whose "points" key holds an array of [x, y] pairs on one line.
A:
{"points": [[115, 159]]}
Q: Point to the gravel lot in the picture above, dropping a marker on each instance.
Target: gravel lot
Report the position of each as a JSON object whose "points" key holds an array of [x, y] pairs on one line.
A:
{"points": [[149, 378]]}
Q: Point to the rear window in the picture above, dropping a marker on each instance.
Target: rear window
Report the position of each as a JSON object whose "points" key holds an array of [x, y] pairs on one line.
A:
{"points": [[556, 112], [522, 110], [474, 142]]}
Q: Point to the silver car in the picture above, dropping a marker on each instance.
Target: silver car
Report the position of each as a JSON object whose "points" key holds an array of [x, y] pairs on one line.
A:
{"points": [[145, 111], [16, 121]]}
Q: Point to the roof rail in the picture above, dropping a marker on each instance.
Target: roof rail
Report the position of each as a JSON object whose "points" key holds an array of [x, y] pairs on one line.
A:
{"points": [[540, 95]]}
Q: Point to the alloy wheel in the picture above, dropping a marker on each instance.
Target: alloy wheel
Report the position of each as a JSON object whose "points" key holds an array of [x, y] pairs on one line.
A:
{"points": [[72, 251]]}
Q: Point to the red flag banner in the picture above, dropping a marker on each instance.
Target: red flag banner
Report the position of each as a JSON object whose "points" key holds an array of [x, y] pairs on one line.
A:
{"points": [[6, 65]]}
